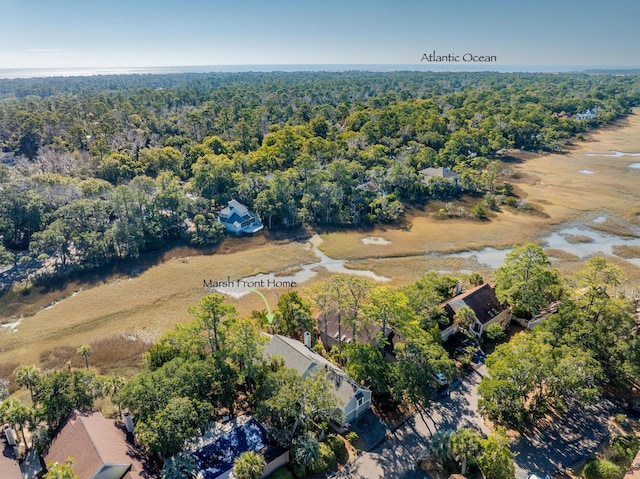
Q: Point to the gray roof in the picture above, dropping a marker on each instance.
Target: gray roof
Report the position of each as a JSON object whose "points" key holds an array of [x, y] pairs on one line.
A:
{"points": [[307, 362], [442, 172], [235, 208]]}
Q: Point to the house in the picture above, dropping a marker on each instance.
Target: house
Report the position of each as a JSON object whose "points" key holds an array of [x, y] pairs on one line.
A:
{"points": [[483, 302], [100, 448], [354, 399], [441, 172], [237, 219], [334, 332], [217, 449], [9, 468]]}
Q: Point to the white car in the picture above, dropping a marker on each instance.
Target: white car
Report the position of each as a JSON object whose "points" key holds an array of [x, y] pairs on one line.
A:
{"points": [[440, 378]]}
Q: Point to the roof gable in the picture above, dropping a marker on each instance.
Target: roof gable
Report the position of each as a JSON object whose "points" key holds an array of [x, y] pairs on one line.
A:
{"points": [[481, 300], [95, 442]]}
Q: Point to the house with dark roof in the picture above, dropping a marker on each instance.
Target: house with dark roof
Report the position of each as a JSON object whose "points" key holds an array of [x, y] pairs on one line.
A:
{"points": [[9, 467], [217, 449], [237, 219], [483, 302], [100, 448], [440, 172], [354, 399], [334, 331]]}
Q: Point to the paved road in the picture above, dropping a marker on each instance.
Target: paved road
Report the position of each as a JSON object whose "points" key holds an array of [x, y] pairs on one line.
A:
{"points": [[567, 441]]}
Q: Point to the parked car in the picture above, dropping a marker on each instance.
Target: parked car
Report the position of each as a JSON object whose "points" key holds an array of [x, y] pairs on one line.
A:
{"points": [[440, 378]]}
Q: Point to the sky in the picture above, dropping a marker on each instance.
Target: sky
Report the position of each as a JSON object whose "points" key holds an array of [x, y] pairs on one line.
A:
{"points": [[148, 33]]}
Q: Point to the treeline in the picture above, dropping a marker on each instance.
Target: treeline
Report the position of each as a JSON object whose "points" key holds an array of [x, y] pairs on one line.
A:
{"points": [[108, 167]]}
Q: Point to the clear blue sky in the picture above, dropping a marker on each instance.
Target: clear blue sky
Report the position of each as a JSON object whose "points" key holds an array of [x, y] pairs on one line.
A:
{"points": [[130, 33]]}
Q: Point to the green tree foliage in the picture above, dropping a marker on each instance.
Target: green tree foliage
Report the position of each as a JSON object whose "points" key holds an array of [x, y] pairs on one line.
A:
{"points": [[212, 315], [61, 471], [249, 465], [530, 377], [496, 460], [85, 352], [465, 446], [526, 280], [293, 405], [180, 466], [293, 316]]}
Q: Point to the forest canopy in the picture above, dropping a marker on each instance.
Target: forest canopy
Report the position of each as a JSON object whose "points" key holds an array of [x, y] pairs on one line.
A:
{"points": [[107, 167]]}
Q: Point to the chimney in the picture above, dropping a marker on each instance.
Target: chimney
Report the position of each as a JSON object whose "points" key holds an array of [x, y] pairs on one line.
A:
{"points": [[307, 339], [11, 438], [128, 421], [458, 288]]}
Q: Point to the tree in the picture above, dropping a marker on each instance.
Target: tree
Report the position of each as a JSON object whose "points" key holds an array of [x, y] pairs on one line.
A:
{"points": [[293, 405], [526, 280], [496, 460], [305, 451], [249, 465], [211, 313], [465, 447], [61, 471], [17, 414], [293, 317], [85, 352], [29, 377], [180, 466], [464, 318]]}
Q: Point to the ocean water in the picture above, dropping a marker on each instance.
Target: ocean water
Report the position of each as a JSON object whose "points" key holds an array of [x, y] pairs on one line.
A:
{"points": [[11, 73]]}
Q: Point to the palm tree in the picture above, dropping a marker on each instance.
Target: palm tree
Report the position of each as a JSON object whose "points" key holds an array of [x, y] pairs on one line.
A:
{"points": [[441, 446], [85, 351], [464, 318], [306, 450], [29, 377], [19, 415], [465, 445], [180, 466], [249, 465]]}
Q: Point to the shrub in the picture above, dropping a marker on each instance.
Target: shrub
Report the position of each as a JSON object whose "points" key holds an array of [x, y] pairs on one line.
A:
{"points": [[495, 332], [352, 437], [479, 212], [281, 473], [337, 445], [601, 469], [326, 460]]}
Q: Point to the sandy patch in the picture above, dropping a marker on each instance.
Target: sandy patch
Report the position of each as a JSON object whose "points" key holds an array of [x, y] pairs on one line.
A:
{"points": [[375, 240]]}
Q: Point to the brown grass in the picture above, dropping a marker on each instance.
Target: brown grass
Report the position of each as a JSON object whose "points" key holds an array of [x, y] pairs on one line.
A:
{"points": [[147, 305], [626, 251], [561, 254], [615, 227], [576, 239]]}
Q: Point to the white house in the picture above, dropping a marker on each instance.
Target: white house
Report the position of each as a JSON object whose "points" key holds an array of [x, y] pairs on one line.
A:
{"points": [[354, 399], [237, 219]]}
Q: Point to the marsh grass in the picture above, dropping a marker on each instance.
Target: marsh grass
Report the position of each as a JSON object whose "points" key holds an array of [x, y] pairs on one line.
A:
{"points": [[561, 254], [577, 239], [626, 251]]}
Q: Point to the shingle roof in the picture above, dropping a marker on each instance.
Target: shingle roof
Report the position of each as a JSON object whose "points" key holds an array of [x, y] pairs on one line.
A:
{"points": [[235, 208], [94, 442], [481, 299], [297, 356], [442, 172], [9, 468]]}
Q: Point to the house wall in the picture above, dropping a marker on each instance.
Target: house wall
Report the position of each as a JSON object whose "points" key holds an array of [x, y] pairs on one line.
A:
{"points": [[503, 318], [351, 410], [276, 463], [450, 331]]}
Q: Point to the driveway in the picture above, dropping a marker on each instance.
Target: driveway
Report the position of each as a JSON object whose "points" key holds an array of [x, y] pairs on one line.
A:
{"points": [[566, 441]]}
